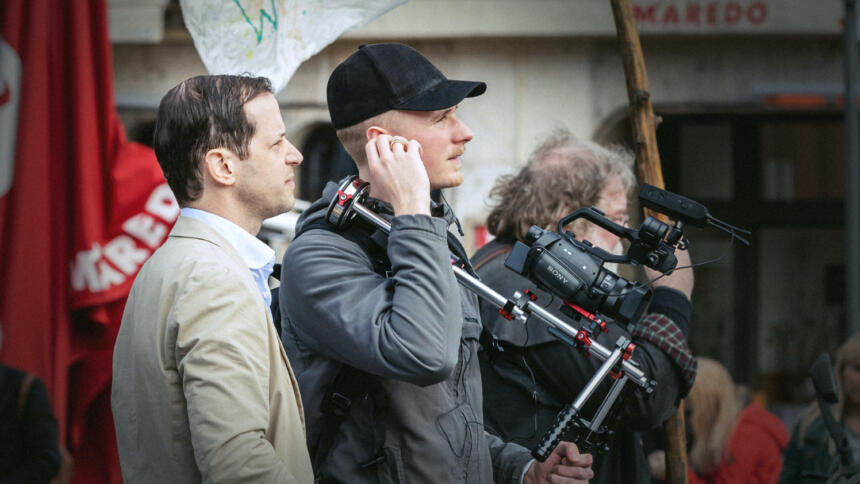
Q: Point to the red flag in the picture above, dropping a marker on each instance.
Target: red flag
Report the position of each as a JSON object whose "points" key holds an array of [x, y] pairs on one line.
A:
{"points": [[81, 209]]}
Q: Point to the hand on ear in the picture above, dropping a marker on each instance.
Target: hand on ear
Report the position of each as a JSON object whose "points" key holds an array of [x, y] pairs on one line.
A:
{"points": [[397, 173]]}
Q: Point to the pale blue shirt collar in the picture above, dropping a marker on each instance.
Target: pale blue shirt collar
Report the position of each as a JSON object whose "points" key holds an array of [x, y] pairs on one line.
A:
{"points": [[259, 257]]}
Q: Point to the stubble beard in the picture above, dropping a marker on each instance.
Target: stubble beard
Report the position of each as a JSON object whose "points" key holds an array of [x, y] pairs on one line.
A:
{"points": [[264, 207]]}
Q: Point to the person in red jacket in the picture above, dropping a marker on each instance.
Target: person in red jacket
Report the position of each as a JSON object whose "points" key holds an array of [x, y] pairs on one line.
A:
{"points": [[730, 443]]}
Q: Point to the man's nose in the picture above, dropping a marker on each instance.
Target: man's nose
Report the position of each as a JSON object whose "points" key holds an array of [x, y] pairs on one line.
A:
{"points": [[464, 133], [294, 156]]}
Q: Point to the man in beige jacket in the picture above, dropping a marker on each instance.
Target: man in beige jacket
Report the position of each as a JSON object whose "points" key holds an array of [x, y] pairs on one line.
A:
{"points": [[202, 389]]}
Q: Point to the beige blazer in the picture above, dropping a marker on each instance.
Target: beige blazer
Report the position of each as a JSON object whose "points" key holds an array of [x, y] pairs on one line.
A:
{"points": [[202, 389]]}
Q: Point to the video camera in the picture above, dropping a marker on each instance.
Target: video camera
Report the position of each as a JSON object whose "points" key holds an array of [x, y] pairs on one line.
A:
{"points": [[573, 270]]}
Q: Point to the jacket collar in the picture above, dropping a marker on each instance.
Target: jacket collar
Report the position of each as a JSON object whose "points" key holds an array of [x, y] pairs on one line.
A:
{"points": [[440, 210], [381, 207], [253, 251], [195, 229]]}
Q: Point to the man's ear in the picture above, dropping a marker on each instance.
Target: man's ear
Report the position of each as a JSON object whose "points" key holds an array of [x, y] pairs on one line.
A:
{"points": [[374, 131], [220, 165]]}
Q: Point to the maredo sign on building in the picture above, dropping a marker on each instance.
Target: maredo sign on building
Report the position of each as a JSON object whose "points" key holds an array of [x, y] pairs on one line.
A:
{"points": [[739, 16], [701, 13], [540, 18]]}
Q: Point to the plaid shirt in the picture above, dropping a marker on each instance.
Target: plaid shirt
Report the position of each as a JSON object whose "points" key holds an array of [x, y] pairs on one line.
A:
{"points": [[666, 335]]}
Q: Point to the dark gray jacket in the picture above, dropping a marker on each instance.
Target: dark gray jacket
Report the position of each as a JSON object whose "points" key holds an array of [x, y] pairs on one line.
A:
{"points": [[527, 384], [416, 331]]}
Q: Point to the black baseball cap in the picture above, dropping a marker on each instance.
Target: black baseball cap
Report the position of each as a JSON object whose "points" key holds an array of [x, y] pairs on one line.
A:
{"points": [[380, 77]]}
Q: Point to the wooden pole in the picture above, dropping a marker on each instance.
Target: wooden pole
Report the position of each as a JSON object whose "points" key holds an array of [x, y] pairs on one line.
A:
{"points": [[648, 166]]}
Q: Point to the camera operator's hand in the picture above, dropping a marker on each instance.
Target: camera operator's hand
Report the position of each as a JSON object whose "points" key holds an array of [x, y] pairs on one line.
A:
{"points": [[657, 462], [680, 279], [397, 174], [564, 465]]}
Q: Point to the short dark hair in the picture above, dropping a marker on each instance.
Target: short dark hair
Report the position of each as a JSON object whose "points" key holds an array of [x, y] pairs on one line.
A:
{"points": [[563, 174], [200, 114]]}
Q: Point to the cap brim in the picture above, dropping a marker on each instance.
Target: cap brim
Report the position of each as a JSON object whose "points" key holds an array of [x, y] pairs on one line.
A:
{"points": [[444, 95]]}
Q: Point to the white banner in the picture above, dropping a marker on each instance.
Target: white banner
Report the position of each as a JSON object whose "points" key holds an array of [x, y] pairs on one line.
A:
{"points": [[10, 95], [271, 38]]}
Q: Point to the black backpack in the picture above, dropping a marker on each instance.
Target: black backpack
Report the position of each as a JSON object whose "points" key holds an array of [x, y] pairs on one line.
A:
{"points": [[350, 384]]}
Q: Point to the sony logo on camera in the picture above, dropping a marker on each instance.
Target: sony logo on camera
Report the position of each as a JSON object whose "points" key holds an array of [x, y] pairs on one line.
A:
{"points": [[557, 273]]}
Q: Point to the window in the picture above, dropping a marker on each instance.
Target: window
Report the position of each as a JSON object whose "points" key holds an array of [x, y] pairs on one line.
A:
{"points": [[779, 175], [325, 159]]}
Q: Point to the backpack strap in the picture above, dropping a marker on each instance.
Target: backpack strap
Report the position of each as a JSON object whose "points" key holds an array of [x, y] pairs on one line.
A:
{"points": [[373, 241], [489, 252], [491, 346], [275, 302], [459, 256], [350, 384], [275, 308], [24, 392]]}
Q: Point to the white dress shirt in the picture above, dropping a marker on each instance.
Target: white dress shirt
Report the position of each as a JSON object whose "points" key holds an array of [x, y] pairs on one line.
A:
{"points": [[259, 256]]}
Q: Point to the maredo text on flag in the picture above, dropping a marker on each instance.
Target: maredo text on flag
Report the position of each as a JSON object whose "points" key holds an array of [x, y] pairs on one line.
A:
{"points": [[105, 271]]}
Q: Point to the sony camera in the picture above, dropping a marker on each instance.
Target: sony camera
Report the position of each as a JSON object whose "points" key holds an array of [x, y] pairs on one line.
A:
{"points": [[573, 270]]}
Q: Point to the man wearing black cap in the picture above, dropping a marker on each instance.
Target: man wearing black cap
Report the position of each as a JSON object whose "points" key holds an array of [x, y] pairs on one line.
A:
{"points": [[382, 338]]}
